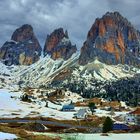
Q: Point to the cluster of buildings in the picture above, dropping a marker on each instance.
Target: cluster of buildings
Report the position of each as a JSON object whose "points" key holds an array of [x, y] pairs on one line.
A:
{"points": [[133, 117]]}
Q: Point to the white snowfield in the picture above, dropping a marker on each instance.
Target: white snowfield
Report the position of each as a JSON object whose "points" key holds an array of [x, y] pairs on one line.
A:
{"points": [[7, 136], [13, 107], [101, 113]]}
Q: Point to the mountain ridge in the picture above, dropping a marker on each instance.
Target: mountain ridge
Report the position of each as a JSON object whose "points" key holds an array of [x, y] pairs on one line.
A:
{"points": [[113, 40], [98, 77]]}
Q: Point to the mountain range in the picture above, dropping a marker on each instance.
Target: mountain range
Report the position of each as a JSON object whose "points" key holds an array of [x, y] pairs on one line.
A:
{"points": [[109, 60]]}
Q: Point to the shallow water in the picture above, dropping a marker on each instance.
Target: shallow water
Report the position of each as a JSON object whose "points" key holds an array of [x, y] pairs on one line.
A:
{"points": [[80, 136], [7, 136]]}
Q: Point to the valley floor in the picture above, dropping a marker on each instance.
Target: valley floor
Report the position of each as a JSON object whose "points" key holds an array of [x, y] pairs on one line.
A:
{"points": [[26, 115], [12, 107]]}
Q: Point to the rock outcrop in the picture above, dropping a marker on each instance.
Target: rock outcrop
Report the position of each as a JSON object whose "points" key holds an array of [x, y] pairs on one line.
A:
{"points": [[23, 49], [58, 45], [112, 39]]}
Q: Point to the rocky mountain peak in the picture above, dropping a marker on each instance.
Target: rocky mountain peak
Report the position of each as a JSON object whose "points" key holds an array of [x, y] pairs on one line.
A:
{"points": [[23, 33], [23, 49], [113, 40], [58, 45]]}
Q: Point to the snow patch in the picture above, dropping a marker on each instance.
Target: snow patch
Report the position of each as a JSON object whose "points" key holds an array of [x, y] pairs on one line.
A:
{"points": [[7, 136]]}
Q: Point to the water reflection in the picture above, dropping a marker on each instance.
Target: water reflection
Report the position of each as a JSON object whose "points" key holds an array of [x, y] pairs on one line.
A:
{"points": [[74, 136]]}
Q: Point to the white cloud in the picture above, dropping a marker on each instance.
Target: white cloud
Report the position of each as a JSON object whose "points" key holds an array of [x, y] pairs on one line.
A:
{"points": [[76, 16]]}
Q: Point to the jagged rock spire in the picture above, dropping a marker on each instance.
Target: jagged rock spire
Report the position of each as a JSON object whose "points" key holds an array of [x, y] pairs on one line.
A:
{"points": [[23, 49], [113, 40], [58, 45]]}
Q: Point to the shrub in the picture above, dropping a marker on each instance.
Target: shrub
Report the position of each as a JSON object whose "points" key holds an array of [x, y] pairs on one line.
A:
{"points": [[25, 98]]}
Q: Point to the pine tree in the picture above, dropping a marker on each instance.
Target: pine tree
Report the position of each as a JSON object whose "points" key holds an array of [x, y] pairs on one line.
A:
{"points": [[92, 107], [108, 125]]}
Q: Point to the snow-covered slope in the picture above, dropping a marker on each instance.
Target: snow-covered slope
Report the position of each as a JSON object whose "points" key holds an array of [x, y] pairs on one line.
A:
{"points": [[42, 72], [46, 71], [103, 72], [4, 69], [88, 80], [5, 75]]}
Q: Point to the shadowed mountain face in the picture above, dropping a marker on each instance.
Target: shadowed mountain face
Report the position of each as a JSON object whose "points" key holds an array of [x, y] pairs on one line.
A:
{"points": [[58, 45], [23, 49], [112, 39]]}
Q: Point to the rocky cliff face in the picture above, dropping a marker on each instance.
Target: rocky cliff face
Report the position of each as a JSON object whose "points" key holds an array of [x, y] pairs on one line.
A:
{"points": [[112, 39], [58, 45], [23, 49]]}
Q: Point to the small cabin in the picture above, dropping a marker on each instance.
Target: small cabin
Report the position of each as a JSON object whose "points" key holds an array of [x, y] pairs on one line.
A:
{"points": [[120, 127], [69, 107], [81, 114], [130, 119]]}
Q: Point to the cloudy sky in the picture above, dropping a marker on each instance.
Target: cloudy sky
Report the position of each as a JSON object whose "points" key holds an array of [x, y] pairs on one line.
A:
{"points": [[76, 16]]}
